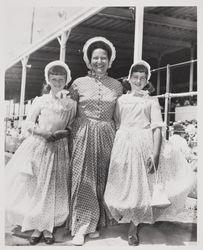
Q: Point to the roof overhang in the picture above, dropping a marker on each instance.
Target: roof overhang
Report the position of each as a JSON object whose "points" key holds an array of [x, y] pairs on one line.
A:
{"points": [[81, 16]]}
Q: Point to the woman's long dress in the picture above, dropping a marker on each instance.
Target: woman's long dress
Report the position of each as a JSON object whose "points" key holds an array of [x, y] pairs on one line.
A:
{"points": [[37, 174], [92, 140], [129, 186]]}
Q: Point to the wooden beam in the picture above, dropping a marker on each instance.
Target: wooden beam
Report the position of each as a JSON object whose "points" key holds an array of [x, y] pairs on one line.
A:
{"points": [[168, 42], [171, 50], [170, 21], [125, 14], [85, 32], [116, 13], [121, 37], [168, 33]]}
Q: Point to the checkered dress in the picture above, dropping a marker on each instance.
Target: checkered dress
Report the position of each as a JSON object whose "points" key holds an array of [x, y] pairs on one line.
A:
{"points": [[92, 140]]}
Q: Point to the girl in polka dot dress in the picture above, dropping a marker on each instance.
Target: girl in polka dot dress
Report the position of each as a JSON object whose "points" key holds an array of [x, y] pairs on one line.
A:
{"points": [[37, 189], [138, 143]]}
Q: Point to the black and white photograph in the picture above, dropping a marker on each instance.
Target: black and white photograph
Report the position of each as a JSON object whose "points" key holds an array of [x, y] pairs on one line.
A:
{"points": [[100, 124]]}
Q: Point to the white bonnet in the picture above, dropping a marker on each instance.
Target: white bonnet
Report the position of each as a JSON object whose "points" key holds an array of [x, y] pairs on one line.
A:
{"points": [[57, 63], [98, 39], [141, 62]]}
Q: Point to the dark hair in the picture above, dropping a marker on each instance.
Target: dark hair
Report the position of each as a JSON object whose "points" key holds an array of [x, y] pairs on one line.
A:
{"points": [[127, 87], [57, 70], [98, 45], [45, 89], [139, 68], [149, 87]]}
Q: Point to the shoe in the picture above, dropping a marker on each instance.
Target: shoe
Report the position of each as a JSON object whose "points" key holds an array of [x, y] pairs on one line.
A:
{"points": [[35, 239], [133, 240], [49, 240], [78, 240], [94, 235], [48, 237]]}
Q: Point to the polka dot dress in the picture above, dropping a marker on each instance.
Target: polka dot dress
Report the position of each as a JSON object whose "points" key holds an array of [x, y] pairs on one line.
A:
{"points": [[92, 140], [129, 186], [37, 188]]}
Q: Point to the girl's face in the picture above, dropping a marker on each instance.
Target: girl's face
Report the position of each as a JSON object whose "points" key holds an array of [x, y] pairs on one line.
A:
{"points": [[99, 61], [57, 82], [138, 80]]}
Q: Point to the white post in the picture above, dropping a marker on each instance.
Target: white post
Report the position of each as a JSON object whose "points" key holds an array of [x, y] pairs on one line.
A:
{"points": [[191, 69], [11, 107], [22, 91], [158, 77], [62, 41], [167, 102], [28, 106], [138, 38]]}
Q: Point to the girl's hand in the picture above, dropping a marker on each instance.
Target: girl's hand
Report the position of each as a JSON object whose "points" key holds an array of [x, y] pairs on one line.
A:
{"points": [[59, 134], [156, 160], [150, 168], [151, 161], [48, 136]]}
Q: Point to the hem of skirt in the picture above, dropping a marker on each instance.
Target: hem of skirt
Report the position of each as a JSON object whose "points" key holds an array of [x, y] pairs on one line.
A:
{"points": [[87, 231], [18, 221]]}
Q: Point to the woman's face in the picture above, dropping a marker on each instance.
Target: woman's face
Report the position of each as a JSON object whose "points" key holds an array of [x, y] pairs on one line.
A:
{"points": [[57, 82], [138, 80], [99, 61]]}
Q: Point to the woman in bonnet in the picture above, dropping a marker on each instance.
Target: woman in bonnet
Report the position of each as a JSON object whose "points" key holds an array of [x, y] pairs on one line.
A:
{"points": [[92, 138]]}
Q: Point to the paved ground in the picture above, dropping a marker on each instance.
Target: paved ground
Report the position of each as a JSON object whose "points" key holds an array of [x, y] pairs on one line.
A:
{"points": [[161, 233]]}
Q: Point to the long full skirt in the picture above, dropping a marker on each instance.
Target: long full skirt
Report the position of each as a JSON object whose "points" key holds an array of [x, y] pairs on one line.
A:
{"points": [[129, 186], [37, 195], [92, 142]]}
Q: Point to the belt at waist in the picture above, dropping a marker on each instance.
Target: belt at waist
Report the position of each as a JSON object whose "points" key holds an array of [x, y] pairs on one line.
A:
{"points": [[92, 119], [134, 129]]}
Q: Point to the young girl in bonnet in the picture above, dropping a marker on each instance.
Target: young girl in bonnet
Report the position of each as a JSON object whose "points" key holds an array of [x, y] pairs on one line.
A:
{"points": [[36, 176], [138, 148]]}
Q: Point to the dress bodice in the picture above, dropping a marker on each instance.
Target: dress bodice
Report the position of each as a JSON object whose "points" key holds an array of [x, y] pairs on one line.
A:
{"points": [[51, 113], [138, 112], [96, 98]]}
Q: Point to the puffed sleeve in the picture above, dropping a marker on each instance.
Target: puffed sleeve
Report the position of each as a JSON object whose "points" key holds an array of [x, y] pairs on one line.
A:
{"points": [[72, 114], [116, 115], [74, 94], [156, 118], [119, 88], [32, 116]]}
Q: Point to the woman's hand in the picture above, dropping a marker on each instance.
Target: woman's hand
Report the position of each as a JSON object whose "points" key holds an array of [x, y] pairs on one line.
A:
{"points": [[59, 134]]}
